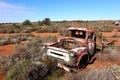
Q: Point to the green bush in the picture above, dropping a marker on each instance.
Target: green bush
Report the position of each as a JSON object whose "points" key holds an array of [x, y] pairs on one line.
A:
{"points": [[26, 22], [54, 73], [39, 23], [46, 21], [48, 29], [27, 70]]}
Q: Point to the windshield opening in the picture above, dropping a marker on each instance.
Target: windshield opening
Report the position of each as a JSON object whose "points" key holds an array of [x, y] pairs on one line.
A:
{"points": [[77, 34]]}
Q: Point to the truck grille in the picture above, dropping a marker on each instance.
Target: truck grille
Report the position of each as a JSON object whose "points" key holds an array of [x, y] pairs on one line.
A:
{"points": [[64, 56], [56, 54]]}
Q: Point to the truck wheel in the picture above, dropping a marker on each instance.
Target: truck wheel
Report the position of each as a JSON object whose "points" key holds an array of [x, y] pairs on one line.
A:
{"points": [[83, 62]]}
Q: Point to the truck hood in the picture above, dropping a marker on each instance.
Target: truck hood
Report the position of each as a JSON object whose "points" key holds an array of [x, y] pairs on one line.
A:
{"points": [[80, 40], [78, 50]]}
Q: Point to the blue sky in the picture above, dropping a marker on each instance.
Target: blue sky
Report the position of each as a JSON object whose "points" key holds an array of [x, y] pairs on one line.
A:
{"points": [[58, 10]]}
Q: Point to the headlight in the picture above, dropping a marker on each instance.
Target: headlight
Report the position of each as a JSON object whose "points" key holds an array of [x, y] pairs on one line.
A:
{"points": [[44, 47], [71, 54]]}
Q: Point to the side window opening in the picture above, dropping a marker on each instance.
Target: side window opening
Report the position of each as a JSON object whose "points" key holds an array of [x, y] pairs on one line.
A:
{"points": [[90, 36]]}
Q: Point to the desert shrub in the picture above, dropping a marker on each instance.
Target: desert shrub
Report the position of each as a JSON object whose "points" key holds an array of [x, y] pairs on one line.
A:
{"points": [[48, 29], [27, 70], [46, 21], [16, 25], [27, 29], [56, 75], [62, 31], [6, 62], [53, 29], [15, 39], [39, 23], [30, 50], [115, 36], [9, 28], [50, 39], [26, 22], [115, 70], [92, 74], [110, 54], [106, 28]]}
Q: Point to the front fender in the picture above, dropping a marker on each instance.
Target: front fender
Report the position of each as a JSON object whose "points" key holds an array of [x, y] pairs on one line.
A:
{"points": [[81, 56]]}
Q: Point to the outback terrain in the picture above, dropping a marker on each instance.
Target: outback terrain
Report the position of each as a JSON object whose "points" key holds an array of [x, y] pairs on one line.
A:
{"points": [[22, 56]]}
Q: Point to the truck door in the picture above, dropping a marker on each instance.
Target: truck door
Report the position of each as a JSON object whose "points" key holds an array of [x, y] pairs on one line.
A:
{"points": [[91, 44]]}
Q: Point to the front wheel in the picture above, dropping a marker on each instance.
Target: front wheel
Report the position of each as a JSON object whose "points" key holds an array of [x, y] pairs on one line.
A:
{"points": [[83, 62]]}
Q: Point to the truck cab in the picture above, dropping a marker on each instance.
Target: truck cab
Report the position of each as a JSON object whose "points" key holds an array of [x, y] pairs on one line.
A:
{"points": [[86, 37]]}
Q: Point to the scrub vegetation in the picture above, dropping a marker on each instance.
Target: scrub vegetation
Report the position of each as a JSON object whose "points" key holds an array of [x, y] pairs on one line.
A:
{"points": [[29, 60]]}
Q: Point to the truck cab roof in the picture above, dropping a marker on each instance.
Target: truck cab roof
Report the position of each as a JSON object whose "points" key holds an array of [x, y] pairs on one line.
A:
{"points": [[81, 29]]}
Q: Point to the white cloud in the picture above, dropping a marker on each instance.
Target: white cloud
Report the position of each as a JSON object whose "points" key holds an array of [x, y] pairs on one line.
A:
{"points": [[11, 8], [11, 12], [5, 5]]}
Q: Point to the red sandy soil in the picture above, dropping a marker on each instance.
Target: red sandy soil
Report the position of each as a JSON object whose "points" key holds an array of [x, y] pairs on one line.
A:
{"points": [[116, 41], [44, 34], [7, 49], [33, 33], [1, 75], [9, 34], [110, 34]]}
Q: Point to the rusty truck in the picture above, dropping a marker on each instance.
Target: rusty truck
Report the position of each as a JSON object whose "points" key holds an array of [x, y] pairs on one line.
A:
{"points": [[74, 49]]}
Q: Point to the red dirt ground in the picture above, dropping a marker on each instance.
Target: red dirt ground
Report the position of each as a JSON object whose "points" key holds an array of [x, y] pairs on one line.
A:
{"points": [[109, 34], [44, 34], [7, 49], [9, 34], [1, 75]]}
